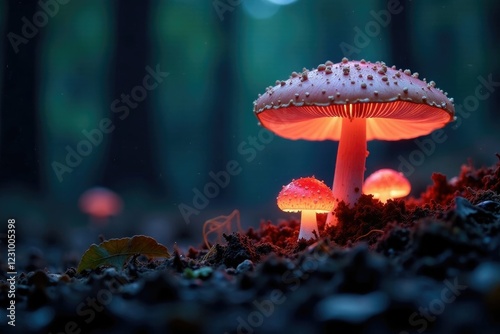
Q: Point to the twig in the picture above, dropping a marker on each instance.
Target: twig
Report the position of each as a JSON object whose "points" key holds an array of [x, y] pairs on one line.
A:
{"points": [[364, 235], [220, 225]]}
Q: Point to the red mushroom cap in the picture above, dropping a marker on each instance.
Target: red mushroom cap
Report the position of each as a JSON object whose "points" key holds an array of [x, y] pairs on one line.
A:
{"points": [[100, 202], [306, 193], [395, 103], [387, 183]]}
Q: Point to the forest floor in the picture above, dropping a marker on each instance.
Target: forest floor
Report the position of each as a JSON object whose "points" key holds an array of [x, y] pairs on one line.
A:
{"points": [[429, 265]]}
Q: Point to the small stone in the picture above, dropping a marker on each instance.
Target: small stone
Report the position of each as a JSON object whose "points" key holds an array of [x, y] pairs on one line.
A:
{"points": [[352, 308], [245, 266]]}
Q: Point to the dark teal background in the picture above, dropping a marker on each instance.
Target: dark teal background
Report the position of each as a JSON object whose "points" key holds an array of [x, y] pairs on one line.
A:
{"points": [[67, 78]]}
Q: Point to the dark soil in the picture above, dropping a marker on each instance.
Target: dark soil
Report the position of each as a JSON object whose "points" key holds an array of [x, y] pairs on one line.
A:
{"points": [[430, 265]]}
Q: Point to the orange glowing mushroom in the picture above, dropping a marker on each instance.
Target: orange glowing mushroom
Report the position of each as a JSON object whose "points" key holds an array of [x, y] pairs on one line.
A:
{"points": [[310, 196], [353, 102], [100, 204], [386, 184]]}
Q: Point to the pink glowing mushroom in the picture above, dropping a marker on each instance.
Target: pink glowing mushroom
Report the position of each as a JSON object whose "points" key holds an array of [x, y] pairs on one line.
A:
{"points": [[386, 184], [353, 102], [100, 204], [310, 196]]}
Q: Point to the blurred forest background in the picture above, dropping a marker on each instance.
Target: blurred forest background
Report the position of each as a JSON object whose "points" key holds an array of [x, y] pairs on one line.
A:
{"points": [[68, 66]]}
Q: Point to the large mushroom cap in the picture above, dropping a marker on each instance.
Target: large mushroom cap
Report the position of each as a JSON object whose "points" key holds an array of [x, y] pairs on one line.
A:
{"points": [[306, 193], [395, 103]]}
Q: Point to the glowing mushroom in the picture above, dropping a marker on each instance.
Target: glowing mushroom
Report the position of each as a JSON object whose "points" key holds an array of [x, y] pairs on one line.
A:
{"points": [[353, 102], [100, 204], [386, 184], [310, 196]]}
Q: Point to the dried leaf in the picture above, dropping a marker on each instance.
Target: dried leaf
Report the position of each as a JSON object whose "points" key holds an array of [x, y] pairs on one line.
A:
{"points": [[115, 252]]}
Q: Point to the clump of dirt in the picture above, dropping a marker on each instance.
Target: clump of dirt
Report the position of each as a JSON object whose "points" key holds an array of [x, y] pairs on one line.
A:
{"points": [[366, 220], [383, 268], [385, 227], [282, 235], [476, 185]]}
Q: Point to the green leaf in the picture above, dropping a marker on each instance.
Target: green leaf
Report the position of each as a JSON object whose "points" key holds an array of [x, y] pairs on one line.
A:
{"points": [[115, 252]]}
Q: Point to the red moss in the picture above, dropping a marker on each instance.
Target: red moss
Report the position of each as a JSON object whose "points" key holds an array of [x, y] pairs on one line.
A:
{"points": [[368, 214], [473, 184], [282, 235], [383, 226], [192, 253]]}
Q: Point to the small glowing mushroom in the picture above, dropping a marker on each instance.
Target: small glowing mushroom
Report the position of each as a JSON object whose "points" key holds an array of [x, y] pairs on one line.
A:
{"points": [[100, 204], [353, 102], [310, 196], [386, 184]]}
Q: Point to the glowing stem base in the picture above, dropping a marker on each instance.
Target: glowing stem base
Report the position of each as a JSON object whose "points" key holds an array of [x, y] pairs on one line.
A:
{"points": [[350, 165]]}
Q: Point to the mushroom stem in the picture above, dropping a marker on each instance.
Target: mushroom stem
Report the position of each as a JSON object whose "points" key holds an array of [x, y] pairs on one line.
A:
{"points": [[350, 165], [308, 224], [383, 197]]}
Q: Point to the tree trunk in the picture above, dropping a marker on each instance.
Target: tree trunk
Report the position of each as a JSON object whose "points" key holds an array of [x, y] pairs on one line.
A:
{"points": [[130, 161], [20, 145], [222, 102]]}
